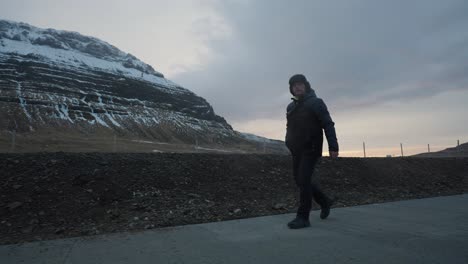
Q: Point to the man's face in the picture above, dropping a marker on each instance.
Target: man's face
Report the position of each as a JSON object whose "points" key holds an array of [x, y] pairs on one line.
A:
{"points": [[299, 89]]}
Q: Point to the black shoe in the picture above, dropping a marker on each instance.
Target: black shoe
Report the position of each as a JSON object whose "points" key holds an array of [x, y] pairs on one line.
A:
{"points": [[325, 212], [299, 222]]}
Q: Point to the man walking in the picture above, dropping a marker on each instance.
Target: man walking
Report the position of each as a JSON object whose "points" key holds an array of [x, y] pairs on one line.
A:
{"points": [[307, 118]]}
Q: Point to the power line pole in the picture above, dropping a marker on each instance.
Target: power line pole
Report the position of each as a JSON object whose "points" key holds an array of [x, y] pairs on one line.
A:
{"points": [[364, 147], [401, 146], [115, 143]]}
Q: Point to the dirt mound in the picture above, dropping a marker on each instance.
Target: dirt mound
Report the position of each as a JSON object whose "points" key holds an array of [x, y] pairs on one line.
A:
{"points": [[458, 151], [54, 195]]}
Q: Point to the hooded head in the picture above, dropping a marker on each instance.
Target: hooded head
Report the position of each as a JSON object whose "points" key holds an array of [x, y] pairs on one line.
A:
{"points": [[299, 78]]}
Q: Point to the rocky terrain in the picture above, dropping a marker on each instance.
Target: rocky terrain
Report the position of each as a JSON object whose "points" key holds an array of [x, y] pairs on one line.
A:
{"points": [[57, 195]]}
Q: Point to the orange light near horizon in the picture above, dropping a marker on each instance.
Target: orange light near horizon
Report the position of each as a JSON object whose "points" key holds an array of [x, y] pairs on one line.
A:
{"points": [[383, 152]]}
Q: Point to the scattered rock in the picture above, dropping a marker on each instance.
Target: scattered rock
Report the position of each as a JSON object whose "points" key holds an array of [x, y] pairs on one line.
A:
{"points": [[103, 163], [139, 207], [186, 212], [279, 206], [27, 230], [237, 211], [34, 221], [193, 195], [59, 230], [14, 205]]}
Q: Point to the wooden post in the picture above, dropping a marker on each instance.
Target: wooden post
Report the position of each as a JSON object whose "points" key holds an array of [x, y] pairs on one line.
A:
{"points": [[428, 148], [115, 143], [364, 147], [401, 146]]}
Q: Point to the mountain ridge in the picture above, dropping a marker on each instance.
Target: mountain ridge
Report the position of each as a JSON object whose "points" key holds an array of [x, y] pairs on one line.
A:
{"points": [[71, 40], [51, 80]]}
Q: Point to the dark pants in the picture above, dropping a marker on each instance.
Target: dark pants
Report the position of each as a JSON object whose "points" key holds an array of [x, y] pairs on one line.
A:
{"points": [[303, 171]]}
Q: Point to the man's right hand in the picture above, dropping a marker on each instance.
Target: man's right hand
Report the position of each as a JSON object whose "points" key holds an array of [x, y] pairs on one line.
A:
{"points": [[334, 154]]}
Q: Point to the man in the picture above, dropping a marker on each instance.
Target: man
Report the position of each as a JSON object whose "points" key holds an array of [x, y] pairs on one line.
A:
{"points": [[307, 118]]}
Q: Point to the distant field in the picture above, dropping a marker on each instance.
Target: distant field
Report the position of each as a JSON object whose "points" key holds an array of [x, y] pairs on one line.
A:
{"points": [[10, 143]]}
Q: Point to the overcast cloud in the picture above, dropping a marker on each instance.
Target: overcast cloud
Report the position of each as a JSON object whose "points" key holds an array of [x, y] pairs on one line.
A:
{"points": [[355, 53]]}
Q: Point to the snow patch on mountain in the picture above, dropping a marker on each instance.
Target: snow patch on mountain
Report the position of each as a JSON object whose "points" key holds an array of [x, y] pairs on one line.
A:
{"points": [[71, 49], [257, 138]]}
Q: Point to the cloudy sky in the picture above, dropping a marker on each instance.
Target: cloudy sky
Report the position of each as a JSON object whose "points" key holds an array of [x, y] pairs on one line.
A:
{"points": [[390, 72]]}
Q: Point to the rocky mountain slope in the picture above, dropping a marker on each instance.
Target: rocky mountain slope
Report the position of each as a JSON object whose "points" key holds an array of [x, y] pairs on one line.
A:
{"points": [[56, 82]]}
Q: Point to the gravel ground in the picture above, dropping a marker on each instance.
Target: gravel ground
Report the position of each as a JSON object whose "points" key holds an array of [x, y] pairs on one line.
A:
{"points": [[56, 195]]}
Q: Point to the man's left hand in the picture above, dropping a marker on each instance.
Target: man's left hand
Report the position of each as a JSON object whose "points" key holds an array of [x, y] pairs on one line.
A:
{"points": [[334, 154]]}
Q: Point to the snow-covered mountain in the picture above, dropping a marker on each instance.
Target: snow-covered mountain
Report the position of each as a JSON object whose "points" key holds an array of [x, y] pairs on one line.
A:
{"points": [[64, 81]]}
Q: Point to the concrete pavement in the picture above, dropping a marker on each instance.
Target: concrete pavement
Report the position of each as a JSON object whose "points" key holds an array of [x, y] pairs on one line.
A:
{"points": [[433, 230]]}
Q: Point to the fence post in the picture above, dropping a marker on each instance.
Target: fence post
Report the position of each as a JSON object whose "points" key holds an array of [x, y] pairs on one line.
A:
{"points": [[401, 146], [114, 148], [364, 147], [428, 148]]}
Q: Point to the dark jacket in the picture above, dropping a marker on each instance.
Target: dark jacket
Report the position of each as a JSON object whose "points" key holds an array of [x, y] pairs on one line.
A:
{"points": [[307, 117]]}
